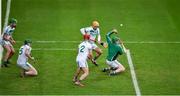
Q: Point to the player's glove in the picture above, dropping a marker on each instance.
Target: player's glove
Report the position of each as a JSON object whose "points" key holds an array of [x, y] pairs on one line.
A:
{"points": [[104, 44], [115, 31]]}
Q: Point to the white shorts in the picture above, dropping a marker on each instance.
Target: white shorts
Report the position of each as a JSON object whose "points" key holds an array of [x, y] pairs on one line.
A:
{"points": [[94, 46], [4, 42], [113, 64], [26, 66], [82, 63], [1, 41]]}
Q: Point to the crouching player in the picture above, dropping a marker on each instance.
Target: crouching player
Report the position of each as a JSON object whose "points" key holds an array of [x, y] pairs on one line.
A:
{"points": [[114, 49], [84, 52], [22, 62]]}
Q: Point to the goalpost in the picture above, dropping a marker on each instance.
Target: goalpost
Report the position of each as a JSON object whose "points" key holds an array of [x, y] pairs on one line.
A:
{"points": [[1, 49]]}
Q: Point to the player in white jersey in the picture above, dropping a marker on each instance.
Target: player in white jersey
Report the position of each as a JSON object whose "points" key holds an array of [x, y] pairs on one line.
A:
{"points": [[22, 62], [94, 32], [84, 52], [8, 40]]}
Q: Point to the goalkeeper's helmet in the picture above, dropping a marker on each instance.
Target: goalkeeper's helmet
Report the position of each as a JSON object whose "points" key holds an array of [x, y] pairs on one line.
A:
{"points": [[115, 40]]}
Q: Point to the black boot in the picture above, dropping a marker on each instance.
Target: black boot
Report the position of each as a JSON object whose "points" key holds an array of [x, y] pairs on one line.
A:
{"points": [[105, 69], [8, 62], [5, 64]]}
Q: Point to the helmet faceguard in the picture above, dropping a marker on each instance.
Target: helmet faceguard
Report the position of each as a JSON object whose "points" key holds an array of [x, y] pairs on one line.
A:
{"points": [[115, 40]]}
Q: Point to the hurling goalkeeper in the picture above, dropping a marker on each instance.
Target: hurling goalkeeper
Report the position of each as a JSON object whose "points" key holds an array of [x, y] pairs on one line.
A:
{"points": [[114, 49]]}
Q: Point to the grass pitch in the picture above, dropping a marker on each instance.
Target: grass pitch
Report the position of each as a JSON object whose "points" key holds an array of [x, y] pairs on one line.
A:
{"points": [[156, 64]]}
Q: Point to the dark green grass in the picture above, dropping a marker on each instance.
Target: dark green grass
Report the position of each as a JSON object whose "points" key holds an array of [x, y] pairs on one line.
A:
{"points": [[156, 65], [3, 11]]}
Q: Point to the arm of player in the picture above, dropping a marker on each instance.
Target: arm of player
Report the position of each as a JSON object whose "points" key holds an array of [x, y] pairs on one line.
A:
{"points": [[99, 39], [108, 39], [124, 48], [120, 50], [6, 37], [28, 55], [12, 40], [90, 56], [101, 42], [83, 31]]}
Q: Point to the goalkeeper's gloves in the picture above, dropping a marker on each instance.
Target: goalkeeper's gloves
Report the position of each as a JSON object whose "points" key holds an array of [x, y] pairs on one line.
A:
{"points": [[104, 44]]}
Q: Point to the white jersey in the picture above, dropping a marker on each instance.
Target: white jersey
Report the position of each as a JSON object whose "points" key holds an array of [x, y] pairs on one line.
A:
{"points": [[93, 33], [22, 59], [9, 30], [83, 50]]}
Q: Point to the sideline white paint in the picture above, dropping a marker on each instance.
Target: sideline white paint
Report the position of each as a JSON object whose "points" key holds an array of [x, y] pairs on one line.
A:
{"points": [[128, 42], [133, 74]]}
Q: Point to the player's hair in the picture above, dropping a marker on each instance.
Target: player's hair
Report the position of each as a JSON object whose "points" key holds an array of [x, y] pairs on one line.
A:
{"points": [[95, 23], [27, 41], [12, 20]]}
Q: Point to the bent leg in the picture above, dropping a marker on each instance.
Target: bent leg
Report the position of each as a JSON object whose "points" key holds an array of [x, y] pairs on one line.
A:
{"points": [[32, 71], [98, 53], [85, 73], [118, 68], [12, 52], [78, 71], [7, 54]]}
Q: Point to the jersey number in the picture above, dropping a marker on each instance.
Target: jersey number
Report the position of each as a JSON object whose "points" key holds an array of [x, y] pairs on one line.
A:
{"points": [[20, 51], [82, 48]]}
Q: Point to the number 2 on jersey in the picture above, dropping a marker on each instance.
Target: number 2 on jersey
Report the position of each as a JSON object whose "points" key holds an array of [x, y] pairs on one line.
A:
{"points": [[82, 48]]}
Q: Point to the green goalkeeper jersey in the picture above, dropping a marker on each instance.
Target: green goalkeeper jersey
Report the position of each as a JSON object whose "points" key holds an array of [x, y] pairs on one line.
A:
{"points": [[113, 49]]}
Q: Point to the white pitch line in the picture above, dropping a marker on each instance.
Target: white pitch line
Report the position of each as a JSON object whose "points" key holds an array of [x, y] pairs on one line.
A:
{"points": [[44, 42], [57, 41], [128, 42], [5, 24], [153, 42], [53, 49], [133, 74]]}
